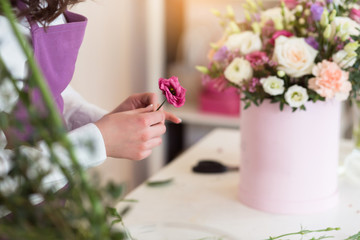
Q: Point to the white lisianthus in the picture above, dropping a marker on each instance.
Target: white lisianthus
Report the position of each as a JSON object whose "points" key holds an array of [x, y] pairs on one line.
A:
{"points": [[8, 96], [39, 162], [294, 56], [3, 141], [246, 42], [343, 60], [9, 185], [344, 27], [239, 70], [6, 163], [275, 14], [353, 5], [338, 2], [296, 96], [273, 85]]}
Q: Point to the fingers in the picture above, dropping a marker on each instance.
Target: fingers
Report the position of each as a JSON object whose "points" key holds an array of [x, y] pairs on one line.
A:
{"points": [[172, 118], [145, 99], [152, 143], [154, 131], [141, 155], [150, 98], [145, 149], [157, 116], [149, 108], [151, 118]]}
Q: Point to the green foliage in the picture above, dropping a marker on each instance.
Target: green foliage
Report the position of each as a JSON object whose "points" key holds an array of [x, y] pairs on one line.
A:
{"points": [[354, 237], [303, 232], [80, 211]]}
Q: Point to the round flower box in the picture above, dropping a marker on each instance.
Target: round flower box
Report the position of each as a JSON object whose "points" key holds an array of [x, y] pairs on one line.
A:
{"points": [[289, 160]]}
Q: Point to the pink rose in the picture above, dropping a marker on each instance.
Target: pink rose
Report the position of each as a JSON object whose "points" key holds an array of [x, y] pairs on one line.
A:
{"points": [[355, 15], [173, 91], [278, 34], [257, 58], [330, 81], [291, 3]]}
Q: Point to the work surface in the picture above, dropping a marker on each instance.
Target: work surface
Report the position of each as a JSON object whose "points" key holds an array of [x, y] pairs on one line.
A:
{"points": [[200, 206]]}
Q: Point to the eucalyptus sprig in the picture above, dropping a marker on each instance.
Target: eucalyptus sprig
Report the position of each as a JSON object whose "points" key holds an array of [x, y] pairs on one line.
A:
{"points": [[306, 232]]}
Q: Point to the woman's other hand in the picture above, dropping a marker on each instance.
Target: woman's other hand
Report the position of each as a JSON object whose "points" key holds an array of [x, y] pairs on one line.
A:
{"points": [[132, 134]]}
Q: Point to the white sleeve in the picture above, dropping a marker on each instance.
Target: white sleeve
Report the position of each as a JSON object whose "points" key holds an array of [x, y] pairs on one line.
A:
{"points": [[77, 111]]}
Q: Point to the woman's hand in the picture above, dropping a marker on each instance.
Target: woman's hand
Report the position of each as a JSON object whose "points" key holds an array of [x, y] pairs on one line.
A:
{"points": [[132, 134], [143, 100], [136, 101]]}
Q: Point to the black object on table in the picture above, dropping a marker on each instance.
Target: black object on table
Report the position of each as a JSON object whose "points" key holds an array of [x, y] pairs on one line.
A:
{"points": [[212, 166]]}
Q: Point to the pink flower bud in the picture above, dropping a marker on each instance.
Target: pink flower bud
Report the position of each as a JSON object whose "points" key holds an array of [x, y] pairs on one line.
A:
{"points": [[278, 34], [355, 15]]}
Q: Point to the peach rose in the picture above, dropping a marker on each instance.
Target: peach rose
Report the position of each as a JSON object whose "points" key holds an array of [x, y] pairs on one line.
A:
{"points": [[330, 81]]}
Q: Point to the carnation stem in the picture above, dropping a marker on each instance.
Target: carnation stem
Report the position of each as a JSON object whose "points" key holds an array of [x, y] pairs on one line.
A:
{"points": [[161, 105]]}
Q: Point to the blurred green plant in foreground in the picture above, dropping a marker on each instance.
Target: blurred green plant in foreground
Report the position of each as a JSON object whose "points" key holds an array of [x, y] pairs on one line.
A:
{"points": [[82, 210]]}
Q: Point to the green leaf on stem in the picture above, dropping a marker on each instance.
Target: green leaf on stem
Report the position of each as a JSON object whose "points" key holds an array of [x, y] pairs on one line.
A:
{"points": [[159, 183]]}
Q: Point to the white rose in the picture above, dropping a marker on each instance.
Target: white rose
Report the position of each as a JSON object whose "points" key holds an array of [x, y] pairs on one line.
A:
{"points": [[345, 26], [343, 60], [246, 42], [294, 56], [8, 96], [296, 96], [238, 71], [273, 85]]}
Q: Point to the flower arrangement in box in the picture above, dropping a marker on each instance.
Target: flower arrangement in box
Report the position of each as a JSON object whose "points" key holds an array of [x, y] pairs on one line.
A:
{"points": [[298, 55], [296, 52]]}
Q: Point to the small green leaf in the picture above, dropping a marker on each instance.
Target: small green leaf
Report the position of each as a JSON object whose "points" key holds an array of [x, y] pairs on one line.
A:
{"points": [[129, 200], [116, 221], [159, 183], [115, 190], [124, 211], [113, 212]]}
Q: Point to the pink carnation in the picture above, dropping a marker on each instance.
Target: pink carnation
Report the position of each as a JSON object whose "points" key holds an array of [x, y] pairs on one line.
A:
{"points": [[254, 82], [355, 15], [173, 91], [257, 58], [278, 34], [330, 81]]}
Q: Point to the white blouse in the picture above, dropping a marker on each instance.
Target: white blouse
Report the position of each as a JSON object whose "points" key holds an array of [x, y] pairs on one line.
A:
{"points": [[79, 116]]}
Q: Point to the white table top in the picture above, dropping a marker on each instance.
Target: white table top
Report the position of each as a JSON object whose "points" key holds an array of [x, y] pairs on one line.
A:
{"points": [[210, 201]]}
